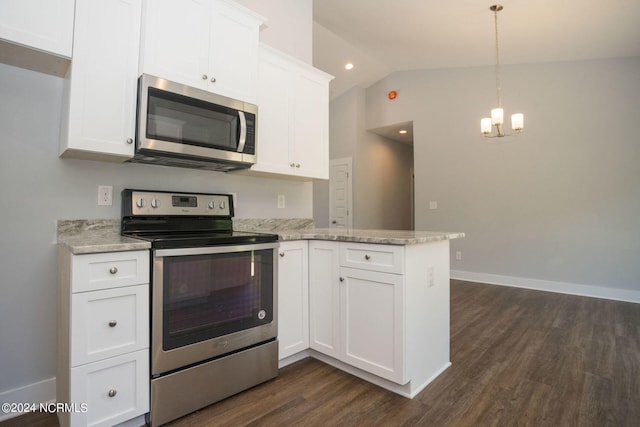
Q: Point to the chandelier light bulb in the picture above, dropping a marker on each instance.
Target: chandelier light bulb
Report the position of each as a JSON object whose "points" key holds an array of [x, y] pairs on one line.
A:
{"points": [[517, 122], [497, 116], [485, 126]]}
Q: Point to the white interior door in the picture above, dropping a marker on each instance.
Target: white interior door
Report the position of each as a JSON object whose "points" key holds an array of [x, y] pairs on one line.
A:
{"points": [[341, 210]]}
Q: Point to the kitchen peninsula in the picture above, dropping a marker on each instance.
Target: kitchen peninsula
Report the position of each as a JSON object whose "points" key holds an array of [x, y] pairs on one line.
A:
{"points": [[374, 303]]}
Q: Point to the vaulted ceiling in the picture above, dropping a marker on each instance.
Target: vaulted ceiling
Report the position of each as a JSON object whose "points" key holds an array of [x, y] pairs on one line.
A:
{"points": [[381, 36]]}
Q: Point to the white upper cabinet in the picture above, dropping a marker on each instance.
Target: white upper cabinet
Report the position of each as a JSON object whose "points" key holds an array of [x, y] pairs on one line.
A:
{"points": [[42, 25], [208, 44], [37, 35], [99, 108], [293, 117]]}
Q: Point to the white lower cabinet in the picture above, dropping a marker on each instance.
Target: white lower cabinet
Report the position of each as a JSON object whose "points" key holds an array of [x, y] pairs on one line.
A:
{"points": [[293, 298], [103, 337], [356, 315], [114, 390], [371, 313], [383, 309], [324, 297]]}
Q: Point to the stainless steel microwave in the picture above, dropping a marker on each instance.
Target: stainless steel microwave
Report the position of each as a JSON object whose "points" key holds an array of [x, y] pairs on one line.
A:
{"points": [[178, 125]]}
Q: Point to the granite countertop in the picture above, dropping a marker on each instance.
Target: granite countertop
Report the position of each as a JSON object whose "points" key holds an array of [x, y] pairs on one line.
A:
{"points": [[95, 236], [387, 237]]}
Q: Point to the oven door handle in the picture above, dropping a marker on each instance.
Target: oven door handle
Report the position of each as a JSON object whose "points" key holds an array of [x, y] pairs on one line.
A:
{"points": [[214, 249]]}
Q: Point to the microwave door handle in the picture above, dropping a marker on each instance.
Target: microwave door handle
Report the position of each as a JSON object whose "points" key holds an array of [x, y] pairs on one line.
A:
{"points": [[243, 131]]}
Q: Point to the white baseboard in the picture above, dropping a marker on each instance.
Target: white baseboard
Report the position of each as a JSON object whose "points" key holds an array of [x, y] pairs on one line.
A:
{"points": [[37, 393], [617, 294]]}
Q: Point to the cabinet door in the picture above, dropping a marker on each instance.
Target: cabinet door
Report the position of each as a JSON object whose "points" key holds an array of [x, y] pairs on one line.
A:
{"points": [[310, 124], [175, 40], [273, 115], [233, 53], [293, 298], [324, 297], [109, 322], [100, 96], [114, 390], [372, 322], [42, 25]]}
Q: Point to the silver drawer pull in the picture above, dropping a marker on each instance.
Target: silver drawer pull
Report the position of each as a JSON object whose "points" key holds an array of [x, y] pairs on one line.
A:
{"points": [[367, 257], [205, 77], [112, 323], [113, 270], [112, 392], [129, 140]]}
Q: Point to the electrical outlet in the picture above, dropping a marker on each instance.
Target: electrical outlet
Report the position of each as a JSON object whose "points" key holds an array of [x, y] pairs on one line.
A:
{"points": [[281, 201], [433, 205], [105, 195], [459, 256]]}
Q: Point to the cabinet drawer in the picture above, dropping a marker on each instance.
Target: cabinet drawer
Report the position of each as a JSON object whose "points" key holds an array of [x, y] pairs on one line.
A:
{"points": [[384, 258], [108, 323], [114, 390], [109, 270]]}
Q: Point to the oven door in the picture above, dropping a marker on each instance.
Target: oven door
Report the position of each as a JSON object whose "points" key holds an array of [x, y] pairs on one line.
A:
{"points": [[211, 301]]}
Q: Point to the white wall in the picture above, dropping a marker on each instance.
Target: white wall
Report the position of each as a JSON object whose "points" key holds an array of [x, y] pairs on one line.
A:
{"points": [[555, 207], [37, 188], [288, 27]]}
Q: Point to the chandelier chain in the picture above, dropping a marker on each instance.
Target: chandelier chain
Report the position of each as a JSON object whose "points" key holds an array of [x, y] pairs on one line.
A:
{"points": [[495, 15]]}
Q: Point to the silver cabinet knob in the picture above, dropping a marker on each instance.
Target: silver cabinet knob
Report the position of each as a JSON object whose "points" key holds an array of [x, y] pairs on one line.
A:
{"points": [[293, 165], [112, 392], [213, 79], [342, 279], [113, 323], [334, 222], [113, 270], [297, 165], [367, 257], [282, 254], [205, 77], [129, 140]]}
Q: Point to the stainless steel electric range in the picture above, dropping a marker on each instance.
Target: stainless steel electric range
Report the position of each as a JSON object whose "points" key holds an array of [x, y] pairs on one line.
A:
{"points": [[213, 299]]}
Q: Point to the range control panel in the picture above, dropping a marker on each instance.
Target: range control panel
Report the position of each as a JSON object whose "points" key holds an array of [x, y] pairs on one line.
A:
{"points": [[158, 203]]}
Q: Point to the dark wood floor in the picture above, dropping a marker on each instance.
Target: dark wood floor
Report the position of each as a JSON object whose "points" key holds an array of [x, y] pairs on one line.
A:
{"points": [[520, 357]]}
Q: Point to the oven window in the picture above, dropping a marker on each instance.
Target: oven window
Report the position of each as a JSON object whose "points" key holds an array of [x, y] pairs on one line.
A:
{"points": [[207, 296]]}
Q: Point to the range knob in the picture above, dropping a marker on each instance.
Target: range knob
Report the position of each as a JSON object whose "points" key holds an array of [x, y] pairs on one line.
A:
{"points": [[222, 205], [155, 203], [212, 204], [141, 202]]}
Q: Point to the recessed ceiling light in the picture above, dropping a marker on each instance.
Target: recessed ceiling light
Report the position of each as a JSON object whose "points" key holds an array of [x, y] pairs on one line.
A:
{"points": [[348, 66], [403, 131]]}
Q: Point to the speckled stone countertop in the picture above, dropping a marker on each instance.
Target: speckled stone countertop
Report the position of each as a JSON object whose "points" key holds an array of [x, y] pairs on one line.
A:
{"points": [[303, 229], [95, 236], [386, 237]]}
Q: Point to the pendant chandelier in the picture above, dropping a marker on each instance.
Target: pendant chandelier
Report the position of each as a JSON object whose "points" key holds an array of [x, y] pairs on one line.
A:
{"points": [[497, 114]]}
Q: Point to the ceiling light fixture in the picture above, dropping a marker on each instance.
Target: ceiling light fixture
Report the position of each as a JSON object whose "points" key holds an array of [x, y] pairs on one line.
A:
{"points": [[402, 131], [497, 114], [348, 66]]}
